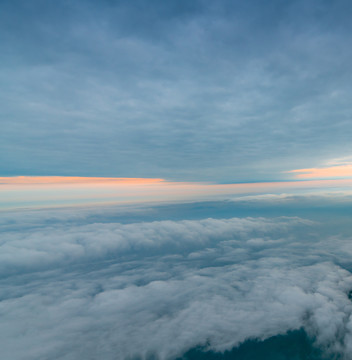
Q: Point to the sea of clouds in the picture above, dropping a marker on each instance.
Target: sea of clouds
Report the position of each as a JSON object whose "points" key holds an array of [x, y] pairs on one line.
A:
{"points": [[74, 288]]}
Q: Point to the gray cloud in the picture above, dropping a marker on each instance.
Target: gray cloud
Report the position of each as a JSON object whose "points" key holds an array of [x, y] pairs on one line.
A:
{"points": [[124, 291], [51, 246], [221, 91]]}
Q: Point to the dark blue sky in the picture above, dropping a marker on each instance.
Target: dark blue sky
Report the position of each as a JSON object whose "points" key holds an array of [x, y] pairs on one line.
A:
{"points": [[183, 90]]}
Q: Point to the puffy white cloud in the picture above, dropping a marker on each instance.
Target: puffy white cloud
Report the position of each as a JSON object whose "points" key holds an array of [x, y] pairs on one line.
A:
{"points": [[116, 291], [54, 245]]}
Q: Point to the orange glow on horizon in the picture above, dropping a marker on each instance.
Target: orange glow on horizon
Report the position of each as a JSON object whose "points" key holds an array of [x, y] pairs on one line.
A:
{"points": [[49, 191], [72, 181], [57, 180], [339, 171]]}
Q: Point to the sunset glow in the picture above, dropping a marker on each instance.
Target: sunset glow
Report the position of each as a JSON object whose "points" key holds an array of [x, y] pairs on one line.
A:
{"points": [[341, 171], [57, 180], [19, 192]]}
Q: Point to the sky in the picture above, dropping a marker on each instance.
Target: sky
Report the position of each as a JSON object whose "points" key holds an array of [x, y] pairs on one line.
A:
{"points": [[30, 192], [225, 91], [175, 180]]}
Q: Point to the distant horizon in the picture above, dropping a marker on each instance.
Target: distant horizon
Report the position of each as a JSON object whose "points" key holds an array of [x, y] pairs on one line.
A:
{"points": [[37, 191]]}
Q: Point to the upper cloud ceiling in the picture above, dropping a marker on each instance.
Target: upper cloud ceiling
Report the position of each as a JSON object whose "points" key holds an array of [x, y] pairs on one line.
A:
{"points": [[222, 91]]}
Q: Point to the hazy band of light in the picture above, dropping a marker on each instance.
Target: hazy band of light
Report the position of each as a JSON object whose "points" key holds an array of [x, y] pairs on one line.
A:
{"points": [[71, 180], [338, 171], [22, 192]]}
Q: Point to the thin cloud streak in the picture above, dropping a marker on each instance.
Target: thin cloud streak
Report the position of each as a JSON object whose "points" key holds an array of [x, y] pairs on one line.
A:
{"points": [[339, 171]]}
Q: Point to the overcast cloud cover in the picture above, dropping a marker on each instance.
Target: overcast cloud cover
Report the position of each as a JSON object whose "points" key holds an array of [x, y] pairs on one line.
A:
{"points": [[183, 90], [106, 284]]}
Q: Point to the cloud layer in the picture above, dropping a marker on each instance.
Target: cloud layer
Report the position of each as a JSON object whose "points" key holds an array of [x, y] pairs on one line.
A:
{"points": [[130, 291], [219, 91]]}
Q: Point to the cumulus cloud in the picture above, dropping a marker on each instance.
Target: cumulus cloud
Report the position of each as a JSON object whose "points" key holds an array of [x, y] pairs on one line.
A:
{"points": [[51, 246], [130, 291]]}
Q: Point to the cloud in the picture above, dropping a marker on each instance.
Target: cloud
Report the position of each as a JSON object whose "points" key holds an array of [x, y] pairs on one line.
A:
{"points": [[181, 91], [90, 290], [331, 172], [332, 169], [52, 246]]}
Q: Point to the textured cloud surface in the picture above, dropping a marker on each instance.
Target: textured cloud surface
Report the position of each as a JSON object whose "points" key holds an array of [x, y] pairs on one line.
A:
{"points": [[183, 90], [74, 288]]}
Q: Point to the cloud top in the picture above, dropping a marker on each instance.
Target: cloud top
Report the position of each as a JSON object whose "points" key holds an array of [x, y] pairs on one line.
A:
{"points": [[128, 291]]}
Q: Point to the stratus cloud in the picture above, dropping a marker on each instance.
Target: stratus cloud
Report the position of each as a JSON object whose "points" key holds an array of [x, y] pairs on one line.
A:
{"points": [[114, 291], [148, 93]]}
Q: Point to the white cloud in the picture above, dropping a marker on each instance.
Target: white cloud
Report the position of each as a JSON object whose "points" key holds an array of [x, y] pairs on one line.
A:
{"points": [[115, 291]]}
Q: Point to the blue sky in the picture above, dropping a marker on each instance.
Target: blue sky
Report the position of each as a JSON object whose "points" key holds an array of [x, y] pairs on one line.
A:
{"points": [[223, 91]]}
